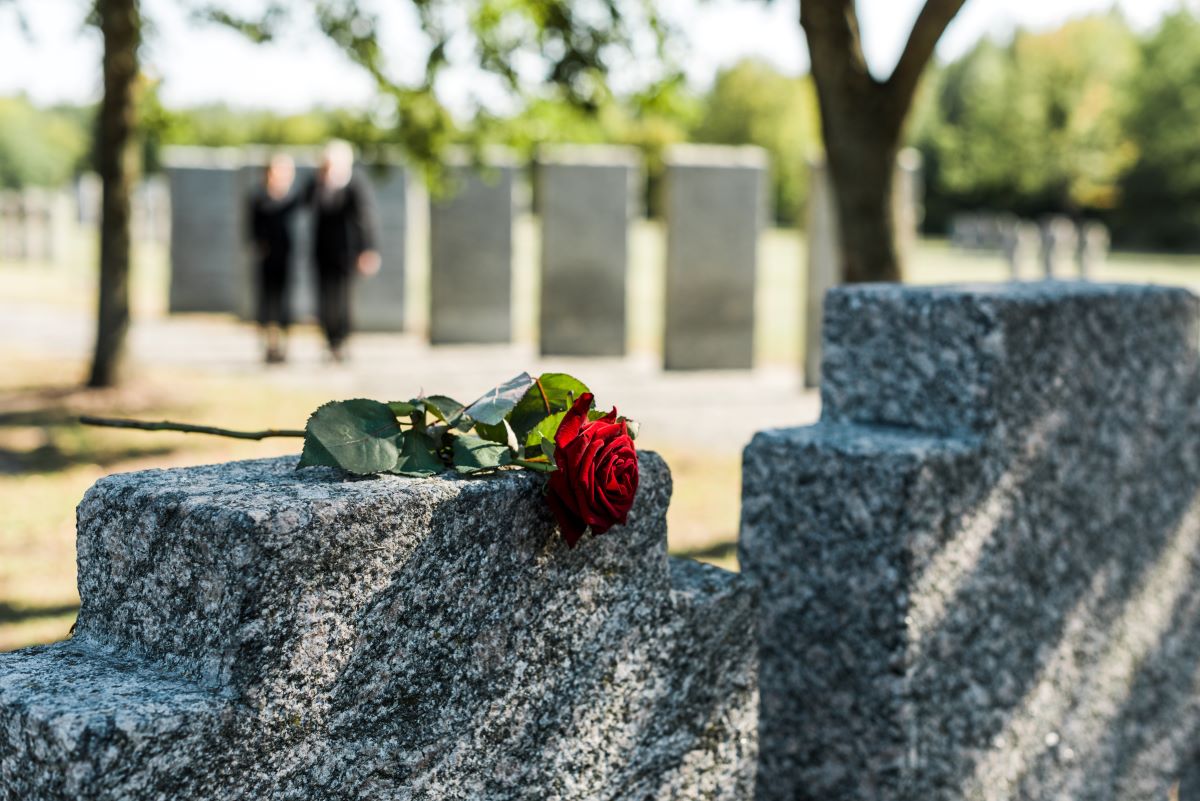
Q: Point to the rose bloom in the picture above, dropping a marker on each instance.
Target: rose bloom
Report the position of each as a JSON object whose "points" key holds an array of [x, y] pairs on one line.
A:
{"points": [[597, 475]]}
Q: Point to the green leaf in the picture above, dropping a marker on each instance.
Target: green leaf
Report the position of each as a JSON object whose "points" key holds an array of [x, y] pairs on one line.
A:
{"points": [[418, 457], [548, 448], [499, 401], [403, 408], [546, 429], [558, 391], [359, 435], [314, 454], [501, 433], [445, 409], [474, 454]]}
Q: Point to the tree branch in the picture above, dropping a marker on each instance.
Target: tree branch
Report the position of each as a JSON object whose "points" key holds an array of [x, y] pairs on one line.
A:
{"points": [[928, 28], [166, 425]]}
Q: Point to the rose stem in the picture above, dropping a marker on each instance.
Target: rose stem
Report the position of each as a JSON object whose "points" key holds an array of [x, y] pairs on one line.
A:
{"points": [[167, 425], [542, 390]]}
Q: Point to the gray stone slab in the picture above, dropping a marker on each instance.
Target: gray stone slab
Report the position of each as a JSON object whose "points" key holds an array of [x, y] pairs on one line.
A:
{"points": [[824, 262], [715, 204], [251, 631], [470, 256], [981, 570], [207, 231], [587, 195], [379, 300]]}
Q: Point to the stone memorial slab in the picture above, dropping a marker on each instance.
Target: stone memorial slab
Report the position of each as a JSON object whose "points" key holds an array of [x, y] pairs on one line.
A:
{"points": [[1094, 241], [715, 204], [252, 631], [587, 196], [470, 255], [981, 569], [379, 299], [1060, 238], [207, 230], [824, 262]]}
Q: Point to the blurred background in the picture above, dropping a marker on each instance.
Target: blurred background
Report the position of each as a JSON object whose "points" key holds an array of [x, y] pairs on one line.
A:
{"points": [[1028, 115]]}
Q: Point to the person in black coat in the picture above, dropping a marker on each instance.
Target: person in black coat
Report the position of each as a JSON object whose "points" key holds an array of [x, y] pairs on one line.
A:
{"points": [[344, 237], [270, 214]]}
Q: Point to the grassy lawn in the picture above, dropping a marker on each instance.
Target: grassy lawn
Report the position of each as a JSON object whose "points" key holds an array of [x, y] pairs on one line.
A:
{"points": [[47, 460]]}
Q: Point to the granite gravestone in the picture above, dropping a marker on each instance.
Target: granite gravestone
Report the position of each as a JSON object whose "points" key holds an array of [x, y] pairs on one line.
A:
{"points": [[207, 230], [586, 195], [715, 203], [981, 569], [252, 631], [471, 253]]}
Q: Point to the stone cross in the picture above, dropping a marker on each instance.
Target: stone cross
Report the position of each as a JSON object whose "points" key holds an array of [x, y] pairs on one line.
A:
{"points": [[587, 196], [981, 569], [716, 207], [471, 254], [251, 631]]}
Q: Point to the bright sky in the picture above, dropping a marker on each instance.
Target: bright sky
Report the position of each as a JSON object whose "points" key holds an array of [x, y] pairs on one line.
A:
{"points": [[201, 64]]}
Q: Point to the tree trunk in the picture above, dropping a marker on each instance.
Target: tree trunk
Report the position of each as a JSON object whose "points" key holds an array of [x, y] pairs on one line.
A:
{"points": [[862, 165], [862, 120], [116, 157]]}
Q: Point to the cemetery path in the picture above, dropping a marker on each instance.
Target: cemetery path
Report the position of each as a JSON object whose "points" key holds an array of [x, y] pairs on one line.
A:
{"points": [[705, 410]]}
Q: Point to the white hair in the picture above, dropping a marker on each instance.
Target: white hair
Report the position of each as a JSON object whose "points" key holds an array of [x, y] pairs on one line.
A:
{"points": [[338, 158]]}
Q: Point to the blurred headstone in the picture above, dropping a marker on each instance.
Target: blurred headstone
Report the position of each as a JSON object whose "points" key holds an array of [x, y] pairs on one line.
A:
{"points": [[207, 229], [1021, 242], [586, 195], [379, 299], [471, 253], [715, 209], [824, 267], [89, 191], [1059, 240], [1094, 241], [908, 200], [10, 226]]}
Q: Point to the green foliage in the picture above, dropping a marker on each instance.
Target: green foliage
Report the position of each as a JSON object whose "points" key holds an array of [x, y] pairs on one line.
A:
{"points": [[359, 435], [752, 103], [424, 436], [550, 394], [39, 147], [1034, 125], [1161, 192]]}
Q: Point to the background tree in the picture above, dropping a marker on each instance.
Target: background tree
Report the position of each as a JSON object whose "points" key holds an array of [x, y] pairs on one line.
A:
{"points": [[1033, 126], [116, 155], [862, 121], [1160, 193]]}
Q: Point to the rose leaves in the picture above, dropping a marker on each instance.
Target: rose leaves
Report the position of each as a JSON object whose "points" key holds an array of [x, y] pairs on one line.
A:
{"points": [[544, 424]]}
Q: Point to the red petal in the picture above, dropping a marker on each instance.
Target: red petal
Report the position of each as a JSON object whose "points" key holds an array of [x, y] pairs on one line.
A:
{"points": [[574, 419]]}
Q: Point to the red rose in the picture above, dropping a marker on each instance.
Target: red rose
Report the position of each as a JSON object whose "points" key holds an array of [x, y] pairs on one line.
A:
{"points": [[597, 473]]}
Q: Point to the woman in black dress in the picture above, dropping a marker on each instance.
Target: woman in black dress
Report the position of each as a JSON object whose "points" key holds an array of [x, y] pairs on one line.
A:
{"points": [[271, 209]]}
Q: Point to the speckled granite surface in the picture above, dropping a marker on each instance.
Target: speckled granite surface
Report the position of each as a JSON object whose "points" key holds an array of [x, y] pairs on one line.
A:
{"points": [[252, 631], [981, 570]]}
